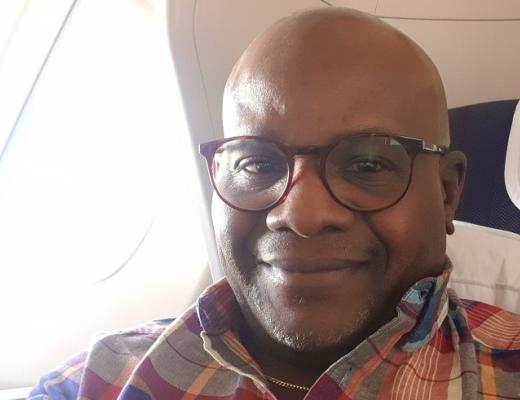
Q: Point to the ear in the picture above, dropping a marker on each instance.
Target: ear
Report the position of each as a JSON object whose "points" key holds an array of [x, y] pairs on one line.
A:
{"points": [[453, 171]]}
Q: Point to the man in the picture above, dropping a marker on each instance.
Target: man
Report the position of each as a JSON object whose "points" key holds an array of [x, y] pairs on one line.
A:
{"points": [[335, 190]]}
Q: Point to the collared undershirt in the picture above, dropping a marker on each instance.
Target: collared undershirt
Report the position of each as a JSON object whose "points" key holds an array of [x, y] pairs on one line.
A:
{"points": [[437, 347]]}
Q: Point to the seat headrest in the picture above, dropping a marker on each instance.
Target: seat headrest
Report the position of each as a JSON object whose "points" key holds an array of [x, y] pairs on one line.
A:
{"points": [[485, 265], [482, 132]]}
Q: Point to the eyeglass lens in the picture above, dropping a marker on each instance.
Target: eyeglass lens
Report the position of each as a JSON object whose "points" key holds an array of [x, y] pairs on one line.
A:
{"points": [[365, 172]]}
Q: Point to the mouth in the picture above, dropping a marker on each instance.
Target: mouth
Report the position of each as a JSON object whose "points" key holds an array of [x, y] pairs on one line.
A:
{"points": [[306, 266], [298, 282]]}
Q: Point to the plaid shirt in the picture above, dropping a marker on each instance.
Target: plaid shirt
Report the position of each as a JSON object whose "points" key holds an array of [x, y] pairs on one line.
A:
{"points": [[438, 347]]}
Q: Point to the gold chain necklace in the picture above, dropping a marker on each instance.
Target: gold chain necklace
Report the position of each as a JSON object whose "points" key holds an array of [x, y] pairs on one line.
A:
{"points": [[287, 385]]}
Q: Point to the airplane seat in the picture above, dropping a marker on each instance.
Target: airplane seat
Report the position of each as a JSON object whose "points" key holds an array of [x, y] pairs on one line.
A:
{"points": [[485, 248], [482, 131]]}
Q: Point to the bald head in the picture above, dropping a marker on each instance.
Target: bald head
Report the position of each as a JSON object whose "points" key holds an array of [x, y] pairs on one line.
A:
{"points": [[337, 54]]}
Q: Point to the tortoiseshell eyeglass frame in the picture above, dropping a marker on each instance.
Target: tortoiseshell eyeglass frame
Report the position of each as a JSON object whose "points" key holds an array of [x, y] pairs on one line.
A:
{"points": [[413, 147]]}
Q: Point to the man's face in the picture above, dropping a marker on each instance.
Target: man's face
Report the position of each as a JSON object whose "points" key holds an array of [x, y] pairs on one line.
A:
{"points": [[310, 273]]}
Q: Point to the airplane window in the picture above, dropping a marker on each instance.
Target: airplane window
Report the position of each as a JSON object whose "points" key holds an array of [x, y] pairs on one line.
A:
{"points": [[97, 206], [9, 14]]}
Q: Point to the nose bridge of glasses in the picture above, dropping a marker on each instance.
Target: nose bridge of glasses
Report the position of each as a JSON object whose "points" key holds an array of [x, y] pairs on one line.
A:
{"points": [[308, 151], [314, 153]]}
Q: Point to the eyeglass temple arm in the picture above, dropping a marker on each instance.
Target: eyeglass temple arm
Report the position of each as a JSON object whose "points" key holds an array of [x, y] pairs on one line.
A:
{"points": [[433, 148]]}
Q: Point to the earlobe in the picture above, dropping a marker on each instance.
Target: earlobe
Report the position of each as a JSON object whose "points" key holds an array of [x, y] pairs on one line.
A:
{"points": [[453, 170]]}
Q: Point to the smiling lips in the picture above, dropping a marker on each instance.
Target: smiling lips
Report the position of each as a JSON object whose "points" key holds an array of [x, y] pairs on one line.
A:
{"points": [[298, 282], [313, 266]]}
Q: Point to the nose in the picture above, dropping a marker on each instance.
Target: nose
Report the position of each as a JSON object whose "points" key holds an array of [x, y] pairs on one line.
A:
{"points": [[309, 208]]}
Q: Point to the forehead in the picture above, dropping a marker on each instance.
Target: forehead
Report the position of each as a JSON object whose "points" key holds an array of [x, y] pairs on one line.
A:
{"points": [[315, 111]]}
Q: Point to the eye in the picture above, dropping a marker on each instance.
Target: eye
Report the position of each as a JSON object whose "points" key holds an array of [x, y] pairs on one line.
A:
{"points": [[368, 166], [257, 166]]}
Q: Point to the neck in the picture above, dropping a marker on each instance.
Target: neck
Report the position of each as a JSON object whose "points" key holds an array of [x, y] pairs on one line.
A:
{"points": [[282, 362], [302, 366]]}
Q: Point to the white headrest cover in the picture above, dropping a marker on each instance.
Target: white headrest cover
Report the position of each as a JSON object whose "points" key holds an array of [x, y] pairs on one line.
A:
{"points": [[485, 265], [512, 168]]}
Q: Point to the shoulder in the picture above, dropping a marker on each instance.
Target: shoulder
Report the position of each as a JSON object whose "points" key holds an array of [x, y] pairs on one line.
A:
{"points": [[110, 357], [493, 327]]}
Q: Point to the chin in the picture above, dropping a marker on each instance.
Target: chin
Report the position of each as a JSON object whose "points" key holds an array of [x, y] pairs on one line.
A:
{"points": [[316, 336], [310, 341]]}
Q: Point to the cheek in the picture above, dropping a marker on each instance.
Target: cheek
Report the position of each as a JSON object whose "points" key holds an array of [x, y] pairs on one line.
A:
{"points": [[413, 230], [232, 230]]}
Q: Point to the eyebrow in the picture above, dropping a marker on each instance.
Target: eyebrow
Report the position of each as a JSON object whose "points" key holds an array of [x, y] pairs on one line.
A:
{"points": [[274, 134]]}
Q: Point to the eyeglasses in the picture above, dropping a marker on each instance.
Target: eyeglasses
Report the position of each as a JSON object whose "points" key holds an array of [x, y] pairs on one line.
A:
{"points": [[363, 172]]}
